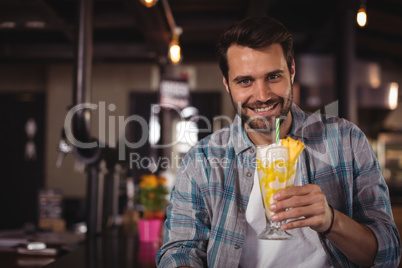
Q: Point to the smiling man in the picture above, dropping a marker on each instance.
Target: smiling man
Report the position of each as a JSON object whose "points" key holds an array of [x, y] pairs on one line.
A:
{"points": [[260, 85], [340, 210]]}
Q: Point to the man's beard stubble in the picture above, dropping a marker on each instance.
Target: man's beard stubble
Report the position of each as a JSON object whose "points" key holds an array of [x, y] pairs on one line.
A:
{"points": [[264, 124]]}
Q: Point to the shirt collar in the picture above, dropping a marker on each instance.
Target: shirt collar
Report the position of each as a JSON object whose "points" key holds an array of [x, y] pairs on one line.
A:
{"points": [[299, 120], [241, 141]]}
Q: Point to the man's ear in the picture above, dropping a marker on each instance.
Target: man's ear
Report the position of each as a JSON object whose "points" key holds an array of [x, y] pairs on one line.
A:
{"points": [[292, 71], [226, 84]]}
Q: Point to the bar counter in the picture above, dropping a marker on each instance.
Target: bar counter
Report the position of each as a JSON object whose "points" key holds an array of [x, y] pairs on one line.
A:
{"points": [[115, 249]]}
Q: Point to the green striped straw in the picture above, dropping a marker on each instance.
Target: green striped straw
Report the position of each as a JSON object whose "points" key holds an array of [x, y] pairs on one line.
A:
{"points": [[277, 130]]}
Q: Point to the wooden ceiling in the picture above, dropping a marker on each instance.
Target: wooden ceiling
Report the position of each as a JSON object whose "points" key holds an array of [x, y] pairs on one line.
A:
{"points": [[125, 30]]}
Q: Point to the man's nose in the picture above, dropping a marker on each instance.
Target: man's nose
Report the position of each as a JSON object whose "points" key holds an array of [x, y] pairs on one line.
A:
{"points": [[262, 92]]}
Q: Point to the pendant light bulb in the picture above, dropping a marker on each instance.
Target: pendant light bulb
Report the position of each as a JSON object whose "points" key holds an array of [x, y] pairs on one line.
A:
{"points": [[175, 52], [149, 3], [362, 17], [174, 47]]}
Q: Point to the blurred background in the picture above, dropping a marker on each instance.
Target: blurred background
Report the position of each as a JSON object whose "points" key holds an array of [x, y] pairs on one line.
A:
{"points": [[115, 54]]}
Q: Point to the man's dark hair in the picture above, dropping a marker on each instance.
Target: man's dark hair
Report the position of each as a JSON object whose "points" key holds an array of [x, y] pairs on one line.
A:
{"points": [[254, 32]]}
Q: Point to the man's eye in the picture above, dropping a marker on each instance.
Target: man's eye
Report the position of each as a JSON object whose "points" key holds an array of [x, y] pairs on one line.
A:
{"points": [[245, 82], [273, 76]]}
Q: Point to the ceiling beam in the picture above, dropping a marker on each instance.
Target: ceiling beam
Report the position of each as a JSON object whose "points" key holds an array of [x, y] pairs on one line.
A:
{"points": [[185, 6], [107, 51], [378, 47], [53, 19], [384, 22], [113, 21], [258, 8]]}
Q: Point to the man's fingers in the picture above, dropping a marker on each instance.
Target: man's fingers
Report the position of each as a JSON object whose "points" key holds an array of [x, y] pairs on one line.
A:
{"points": [[299, 201], [306, 212], [307, 222], [307, 204], [296, 190]]}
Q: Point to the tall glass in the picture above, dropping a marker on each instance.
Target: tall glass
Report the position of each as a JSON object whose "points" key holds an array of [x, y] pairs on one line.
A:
{"points": [[275, 172]]}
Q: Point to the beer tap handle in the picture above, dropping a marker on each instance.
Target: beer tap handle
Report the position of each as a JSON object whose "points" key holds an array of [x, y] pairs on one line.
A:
{"points": [[63, 149]]}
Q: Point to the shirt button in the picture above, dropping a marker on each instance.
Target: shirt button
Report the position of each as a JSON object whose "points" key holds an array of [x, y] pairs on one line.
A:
{"points": [[241, 210], [248, 174], [252, 150], [236, 246]]}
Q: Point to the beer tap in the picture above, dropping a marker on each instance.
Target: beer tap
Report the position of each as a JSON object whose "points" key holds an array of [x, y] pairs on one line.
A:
{"points": [[63, 148]]}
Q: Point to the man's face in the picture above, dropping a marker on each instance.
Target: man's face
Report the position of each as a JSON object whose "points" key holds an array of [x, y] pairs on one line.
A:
{"points": [[260, 84]]}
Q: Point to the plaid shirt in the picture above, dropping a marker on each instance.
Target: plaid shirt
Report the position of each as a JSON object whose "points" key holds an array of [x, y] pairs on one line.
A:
{"points": [[206, 222]]}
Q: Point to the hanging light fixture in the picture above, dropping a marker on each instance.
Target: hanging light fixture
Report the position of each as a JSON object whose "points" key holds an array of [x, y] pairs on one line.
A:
{"points": [[174, 52], [361, 14], [393, 96], [149, 3], [174, 47]]}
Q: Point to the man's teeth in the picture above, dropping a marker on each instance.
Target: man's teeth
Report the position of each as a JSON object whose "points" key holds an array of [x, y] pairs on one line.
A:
{"points": [[260, 110]]}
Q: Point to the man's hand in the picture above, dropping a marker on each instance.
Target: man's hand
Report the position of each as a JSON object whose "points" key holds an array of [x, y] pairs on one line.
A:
{"points": [[307, 202]]}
